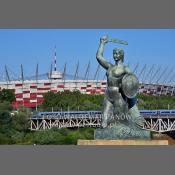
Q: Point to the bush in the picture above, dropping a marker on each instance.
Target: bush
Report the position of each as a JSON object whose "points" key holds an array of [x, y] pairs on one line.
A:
{"points": [[61, 136], [51, 136]]}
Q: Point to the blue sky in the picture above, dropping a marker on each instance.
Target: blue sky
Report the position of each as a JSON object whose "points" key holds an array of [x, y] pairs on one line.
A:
{"points": [[32, 46]]}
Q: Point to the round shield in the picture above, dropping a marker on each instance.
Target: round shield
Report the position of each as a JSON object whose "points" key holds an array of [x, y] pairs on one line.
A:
{"points": [[130, 85]]}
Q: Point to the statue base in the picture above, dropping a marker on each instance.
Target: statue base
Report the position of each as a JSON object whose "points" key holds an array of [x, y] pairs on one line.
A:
{"points": [[157, 139], [122, 131], [123, 142]]}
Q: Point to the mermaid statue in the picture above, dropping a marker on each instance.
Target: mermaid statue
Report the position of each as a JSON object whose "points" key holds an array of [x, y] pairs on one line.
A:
{"points": [[121, 118]]}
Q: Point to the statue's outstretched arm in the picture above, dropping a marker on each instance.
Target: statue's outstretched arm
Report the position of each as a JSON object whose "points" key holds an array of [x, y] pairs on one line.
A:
{"points": [[99, 55]]}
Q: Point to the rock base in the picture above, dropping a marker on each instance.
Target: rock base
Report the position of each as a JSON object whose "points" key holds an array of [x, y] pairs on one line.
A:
{"points": [[122, 131]]}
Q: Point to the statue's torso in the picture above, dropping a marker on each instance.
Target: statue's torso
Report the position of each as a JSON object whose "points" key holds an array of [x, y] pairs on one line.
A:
{"points": [[114, 75]]}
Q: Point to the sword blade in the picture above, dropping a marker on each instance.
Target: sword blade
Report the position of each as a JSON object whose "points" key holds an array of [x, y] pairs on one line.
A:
{"points": [[117, 41]]}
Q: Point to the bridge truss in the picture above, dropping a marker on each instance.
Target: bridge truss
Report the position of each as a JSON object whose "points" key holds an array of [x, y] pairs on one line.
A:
{"points": [[64, 122], [153, 123], [160, 124]]}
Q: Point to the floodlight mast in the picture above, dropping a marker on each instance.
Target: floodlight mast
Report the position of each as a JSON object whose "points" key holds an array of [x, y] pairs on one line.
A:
{"points": [[55, 60], [140, 74], [96, 76], [22, 79], [64, 73], [156, 72], [7, 76], [87, 72], [148, 73], [37, 86], [76, 74], [135, 68]]}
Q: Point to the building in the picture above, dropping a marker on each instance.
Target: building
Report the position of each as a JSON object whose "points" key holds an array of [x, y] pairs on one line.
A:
{"points": [[29, 93]]}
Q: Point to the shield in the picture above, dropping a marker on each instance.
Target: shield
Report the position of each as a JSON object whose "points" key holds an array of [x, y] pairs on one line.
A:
{"points": [[130, 85]]}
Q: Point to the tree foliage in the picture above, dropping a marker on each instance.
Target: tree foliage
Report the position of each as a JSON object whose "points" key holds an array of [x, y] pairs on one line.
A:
{"points": [[5, 106], [7, 95], [156, 102], [77, 101], [71, 101]]}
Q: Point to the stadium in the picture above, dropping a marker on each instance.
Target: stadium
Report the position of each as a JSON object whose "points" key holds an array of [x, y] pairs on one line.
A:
{"points": [[154, 80]]}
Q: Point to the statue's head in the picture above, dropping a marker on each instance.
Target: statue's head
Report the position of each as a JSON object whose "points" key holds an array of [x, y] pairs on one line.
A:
{"points": [[118, 54]]}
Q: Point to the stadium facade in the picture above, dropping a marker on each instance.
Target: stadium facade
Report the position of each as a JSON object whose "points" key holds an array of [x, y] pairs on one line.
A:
{"points": [[29, 93]]}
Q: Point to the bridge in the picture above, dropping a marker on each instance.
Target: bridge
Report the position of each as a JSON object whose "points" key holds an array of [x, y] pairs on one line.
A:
{"points": [[155, 120]]}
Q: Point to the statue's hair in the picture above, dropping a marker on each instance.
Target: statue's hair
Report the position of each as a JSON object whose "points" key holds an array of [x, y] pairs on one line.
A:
{"points": [[121, 51]]}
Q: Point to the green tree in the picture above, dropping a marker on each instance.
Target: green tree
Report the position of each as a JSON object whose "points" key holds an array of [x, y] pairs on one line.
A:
{"points": [[7, 95], [5, 106], [5, 122], [20, 122]]}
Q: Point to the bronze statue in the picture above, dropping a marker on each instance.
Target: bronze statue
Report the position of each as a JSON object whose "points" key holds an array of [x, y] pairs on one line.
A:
{"points": [[122, 87]]}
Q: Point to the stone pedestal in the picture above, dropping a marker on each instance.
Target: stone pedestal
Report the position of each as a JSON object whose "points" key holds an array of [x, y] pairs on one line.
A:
{"points": [[123, 142], [157, 139]]}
